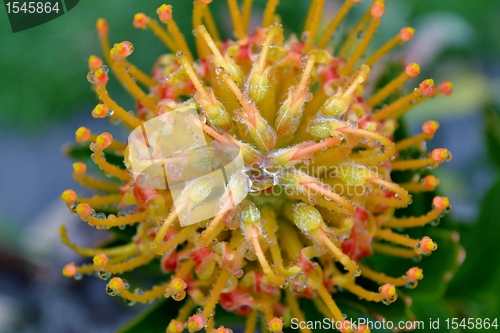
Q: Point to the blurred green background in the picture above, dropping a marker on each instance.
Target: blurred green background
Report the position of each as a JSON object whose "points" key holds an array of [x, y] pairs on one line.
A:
{"points": [[44, 97]]}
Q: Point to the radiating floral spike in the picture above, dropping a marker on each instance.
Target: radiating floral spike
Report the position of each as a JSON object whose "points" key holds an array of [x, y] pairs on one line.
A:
{"points": [[315, 195]]}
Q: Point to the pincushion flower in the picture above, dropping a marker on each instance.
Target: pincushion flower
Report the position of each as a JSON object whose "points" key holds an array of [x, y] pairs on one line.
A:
{"points": [[315, 196]]}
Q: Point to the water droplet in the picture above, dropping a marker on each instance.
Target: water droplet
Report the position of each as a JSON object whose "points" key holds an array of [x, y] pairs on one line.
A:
{"points": [[90, 77], [219, 70], [360, 34], [304, 57], [110, 291], [104, 275], [179, 296], [352, 123], [129, 302], [357, 273], [180, 53], [411, 284]]}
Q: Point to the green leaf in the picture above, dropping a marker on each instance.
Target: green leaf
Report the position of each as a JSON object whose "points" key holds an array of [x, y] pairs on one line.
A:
{"points": [[481, 267], [154, 319], [492, 122]]}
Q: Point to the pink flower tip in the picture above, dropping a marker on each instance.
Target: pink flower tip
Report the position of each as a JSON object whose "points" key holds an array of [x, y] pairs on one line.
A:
{"points": [[164, 13], [140, 20], [441, 155], [441, 202], [430, 127], [406, 34], [446, 88], [378, 9], [412, 70], [414, 274], [427, 87]]}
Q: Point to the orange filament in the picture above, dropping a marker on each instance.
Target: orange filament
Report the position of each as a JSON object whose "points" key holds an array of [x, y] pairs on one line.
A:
{"points": [[109, 168], [371, 160], [112, 221], [290, 113], [218, 58], [238, 23], [272, 33], [268, 17], [270, 225], [215, 293], [172, 216], [388, 235], [211, 26], [393, 251], [145, 297], [402, 37], [98, 200], [440, 204], [344, 259], [121, 267], [429, 183], [139, 75], [199, 8], [250, 110], [363, 293], [303, 86], [83, 134], [210, 232], [132, 87], [327, 143], [394, 109], [429, 128], [185, 268], [310, 14], [334, 24], [96, 184], [127, 249], [246, 13], [165, 14], [437, 157], [188, 67], [381, 277], [376, 11], [295, 309], [270, 274], [184, 311], [348, 207], [179, 238], [402, 198], [413, 141], [129, 120], [251, 323], [213, 133], [122, 75], [351, 39], [412, 70], [314, 25], [330, 303], [162, 35]]}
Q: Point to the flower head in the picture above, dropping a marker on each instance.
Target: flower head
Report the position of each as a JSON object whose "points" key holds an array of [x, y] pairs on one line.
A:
{"points": [[315, 195]]}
